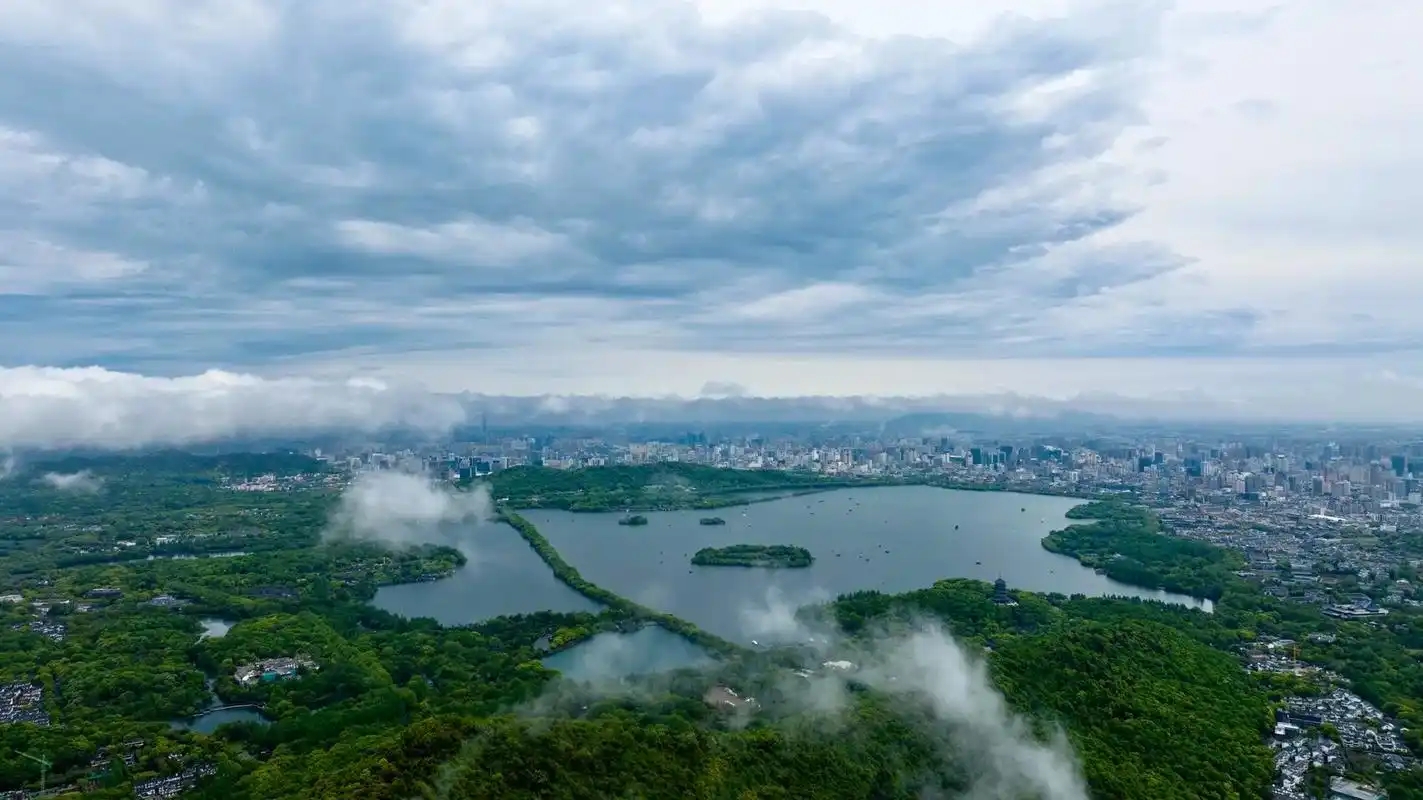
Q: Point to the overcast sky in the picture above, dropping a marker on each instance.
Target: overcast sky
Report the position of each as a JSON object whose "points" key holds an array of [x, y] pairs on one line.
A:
{"points": [[894, 197]]}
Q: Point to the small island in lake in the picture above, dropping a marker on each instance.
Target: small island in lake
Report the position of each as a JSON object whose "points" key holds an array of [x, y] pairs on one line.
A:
{"points": [[635, 519], [712, 521], [780, 556]]}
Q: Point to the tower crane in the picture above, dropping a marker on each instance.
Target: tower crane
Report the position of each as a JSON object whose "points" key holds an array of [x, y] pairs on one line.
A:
{"points": [[44, 763]]}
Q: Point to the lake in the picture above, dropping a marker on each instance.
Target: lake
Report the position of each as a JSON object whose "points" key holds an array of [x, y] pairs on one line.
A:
{"points": [[893, 539], [612, 656], [502, 576], [214, 628]]}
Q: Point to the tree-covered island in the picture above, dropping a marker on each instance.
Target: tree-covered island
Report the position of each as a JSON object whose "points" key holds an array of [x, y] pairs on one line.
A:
{"points": [[711, 521], [777, 556]]}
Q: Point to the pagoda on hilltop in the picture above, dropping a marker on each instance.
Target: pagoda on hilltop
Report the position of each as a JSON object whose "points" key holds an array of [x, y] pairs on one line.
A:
{"points": [[1000, 593]]}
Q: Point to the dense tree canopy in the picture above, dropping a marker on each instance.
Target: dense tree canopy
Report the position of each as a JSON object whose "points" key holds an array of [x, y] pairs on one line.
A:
{"points": [[753, 555], [1126, 542]]}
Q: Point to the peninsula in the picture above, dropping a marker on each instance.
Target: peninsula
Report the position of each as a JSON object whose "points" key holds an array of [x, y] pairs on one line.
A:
{"points": [[779, 556]]}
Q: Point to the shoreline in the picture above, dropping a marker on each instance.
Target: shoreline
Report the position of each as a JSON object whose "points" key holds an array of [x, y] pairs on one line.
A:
{"points": [[729, 499], [568, 575], [1049, 542], [713, 501], [1119, 527]]}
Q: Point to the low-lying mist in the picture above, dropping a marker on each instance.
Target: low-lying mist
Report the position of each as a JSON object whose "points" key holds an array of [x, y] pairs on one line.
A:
{"points": [[936, 684], [922, 664], [82, 482], [402, 508]]}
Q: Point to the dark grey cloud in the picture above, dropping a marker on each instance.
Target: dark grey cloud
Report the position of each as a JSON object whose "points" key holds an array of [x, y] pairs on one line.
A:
{"points": [[226, 185]]}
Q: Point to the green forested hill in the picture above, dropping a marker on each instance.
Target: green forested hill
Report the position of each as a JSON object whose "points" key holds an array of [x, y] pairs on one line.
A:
{"points": [[1152, 713]]}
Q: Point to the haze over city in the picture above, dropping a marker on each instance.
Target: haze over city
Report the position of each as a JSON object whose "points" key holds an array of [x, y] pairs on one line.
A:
{"points": [[1150, 208]]}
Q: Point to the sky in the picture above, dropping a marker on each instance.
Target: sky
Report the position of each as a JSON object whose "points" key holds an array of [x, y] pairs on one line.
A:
{"points": [[787, 197]]}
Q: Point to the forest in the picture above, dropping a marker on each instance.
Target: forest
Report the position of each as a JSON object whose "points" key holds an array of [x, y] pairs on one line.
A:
{"points": [[1150, 696], [1125, 541], [166, 504]]}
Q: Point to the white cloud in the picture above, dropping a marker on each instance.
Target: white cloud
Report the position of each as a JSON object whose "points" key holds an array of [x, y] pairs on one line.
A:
{"points": [[27, 161], [924, 664], [1320, 389], [406, 508], [82, 482], [807, 301], [722, 389], [474, 242], [91, 407], [32, 266], [44, 408], [1005, 759]]}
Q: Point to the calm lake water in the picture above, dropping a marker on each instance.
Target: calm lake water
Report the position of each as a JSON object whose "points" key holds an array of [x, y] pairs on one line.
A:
{"points": [[215, 715], [503, 576], [214, 628], [892, 539], [611, 656], [209, 722]]}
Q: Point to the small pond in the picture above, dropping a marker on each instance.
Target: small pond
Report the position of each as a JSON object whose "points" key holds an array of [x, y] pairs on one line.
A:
{"points": [[214, 628], [217, 714], [612, 656], [209, 721]]}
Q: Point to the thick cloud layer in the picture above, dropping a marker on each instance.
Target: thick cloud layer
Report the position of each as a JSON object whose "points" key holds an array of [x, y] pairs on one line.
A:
{"points": [[338, 175], [404, 508], [662, 195], [44, 408]]}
